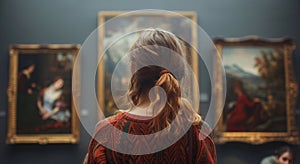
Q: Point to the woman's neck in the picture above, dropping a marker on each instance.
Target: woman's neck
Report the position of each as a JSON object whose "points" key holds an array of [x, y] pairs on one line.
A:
{"points": [[142, 111], [143, 107]]}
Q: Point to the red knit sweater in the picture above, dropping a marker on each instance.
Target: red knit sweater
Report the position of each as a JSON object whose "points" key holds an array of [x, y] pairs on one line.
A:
{"points": [[188, 149]]}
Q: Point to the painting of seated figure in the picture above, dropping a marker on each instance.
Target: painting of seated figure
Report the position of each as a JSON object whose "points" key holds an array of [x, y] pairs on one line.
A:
{"points": [[260, 99], [40, 99]]}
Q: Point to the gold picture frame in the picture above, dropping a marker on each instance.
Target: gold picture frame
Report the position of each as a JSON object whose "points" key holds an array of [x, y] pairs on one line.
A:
{"points": [[262, 86], [32, 86], [140, 20]]}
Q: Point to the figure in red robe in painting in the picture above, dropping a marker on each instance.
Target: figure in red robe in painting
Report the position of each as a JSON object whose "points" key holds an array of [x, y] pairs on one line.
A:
{"points": [[237, 120]]}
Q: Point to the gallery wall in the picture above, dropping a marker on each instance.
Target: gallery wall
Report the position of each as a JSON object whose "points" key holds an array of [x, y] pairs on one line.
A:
{"points": [[71, 21]]}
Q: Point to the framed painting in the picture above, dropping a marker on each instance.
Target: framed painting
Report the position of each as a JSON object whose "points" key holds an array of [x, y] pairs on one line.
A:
{"points": [[40, 102], [261, 91], [124, 25]]}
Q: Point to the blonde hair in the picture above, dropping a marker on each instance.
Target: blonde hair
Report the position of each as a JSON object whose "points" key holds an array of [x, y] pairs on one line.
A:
{"points": [[148, 47]]}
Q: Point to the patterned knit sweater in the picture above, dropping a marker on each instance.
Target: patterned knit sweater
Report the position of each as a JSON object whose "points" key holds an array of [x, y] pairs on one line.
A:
{"points": [[188, 149]]}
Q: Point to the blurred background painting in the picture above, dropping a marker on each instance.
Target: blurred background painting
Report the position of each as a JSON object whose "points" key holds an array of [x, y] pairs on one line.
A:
{"points": [[256, 94]]}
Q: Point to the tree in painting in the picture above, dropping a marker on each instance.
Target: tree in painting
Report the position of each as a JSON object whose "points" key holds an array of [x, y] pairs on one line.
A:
{"points": [[256, 90]]}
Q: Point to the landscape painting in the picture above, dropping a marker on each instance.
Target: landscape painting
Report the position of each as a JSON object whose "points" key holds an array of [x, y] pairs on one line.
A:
{"points": [[255, 98], [117, 33], [260, 102]]}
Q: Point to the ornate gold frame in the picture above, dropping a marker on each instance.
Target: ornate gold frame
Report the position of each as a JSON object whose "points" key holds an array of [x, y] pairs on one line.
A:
{"points": [[291, 135], [110, 14], [12, 136]]}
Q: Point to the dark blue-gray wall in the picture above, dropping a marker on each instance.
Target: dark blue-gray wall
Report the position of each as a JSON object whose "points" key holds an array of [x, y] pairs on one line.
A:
{"points": [[71, 21]]}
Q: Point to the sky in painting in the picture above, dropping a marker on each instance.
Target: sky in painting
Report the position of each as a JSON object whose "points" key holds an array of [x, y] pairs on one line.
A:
{"points": [[244, 57]]}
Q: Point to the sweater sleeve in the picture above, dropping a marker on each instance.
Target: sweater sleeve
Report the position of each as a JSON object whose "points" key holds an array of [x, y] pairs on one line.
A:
{"points": [[96, 151], [206, 150]]}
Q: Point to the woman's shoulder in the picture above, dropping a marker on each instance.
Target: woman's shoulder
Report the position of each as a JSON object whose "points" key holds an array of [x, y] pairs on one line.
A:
{"points": [[204, 140], [203, 127], [205, 135], [111, 120]]}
